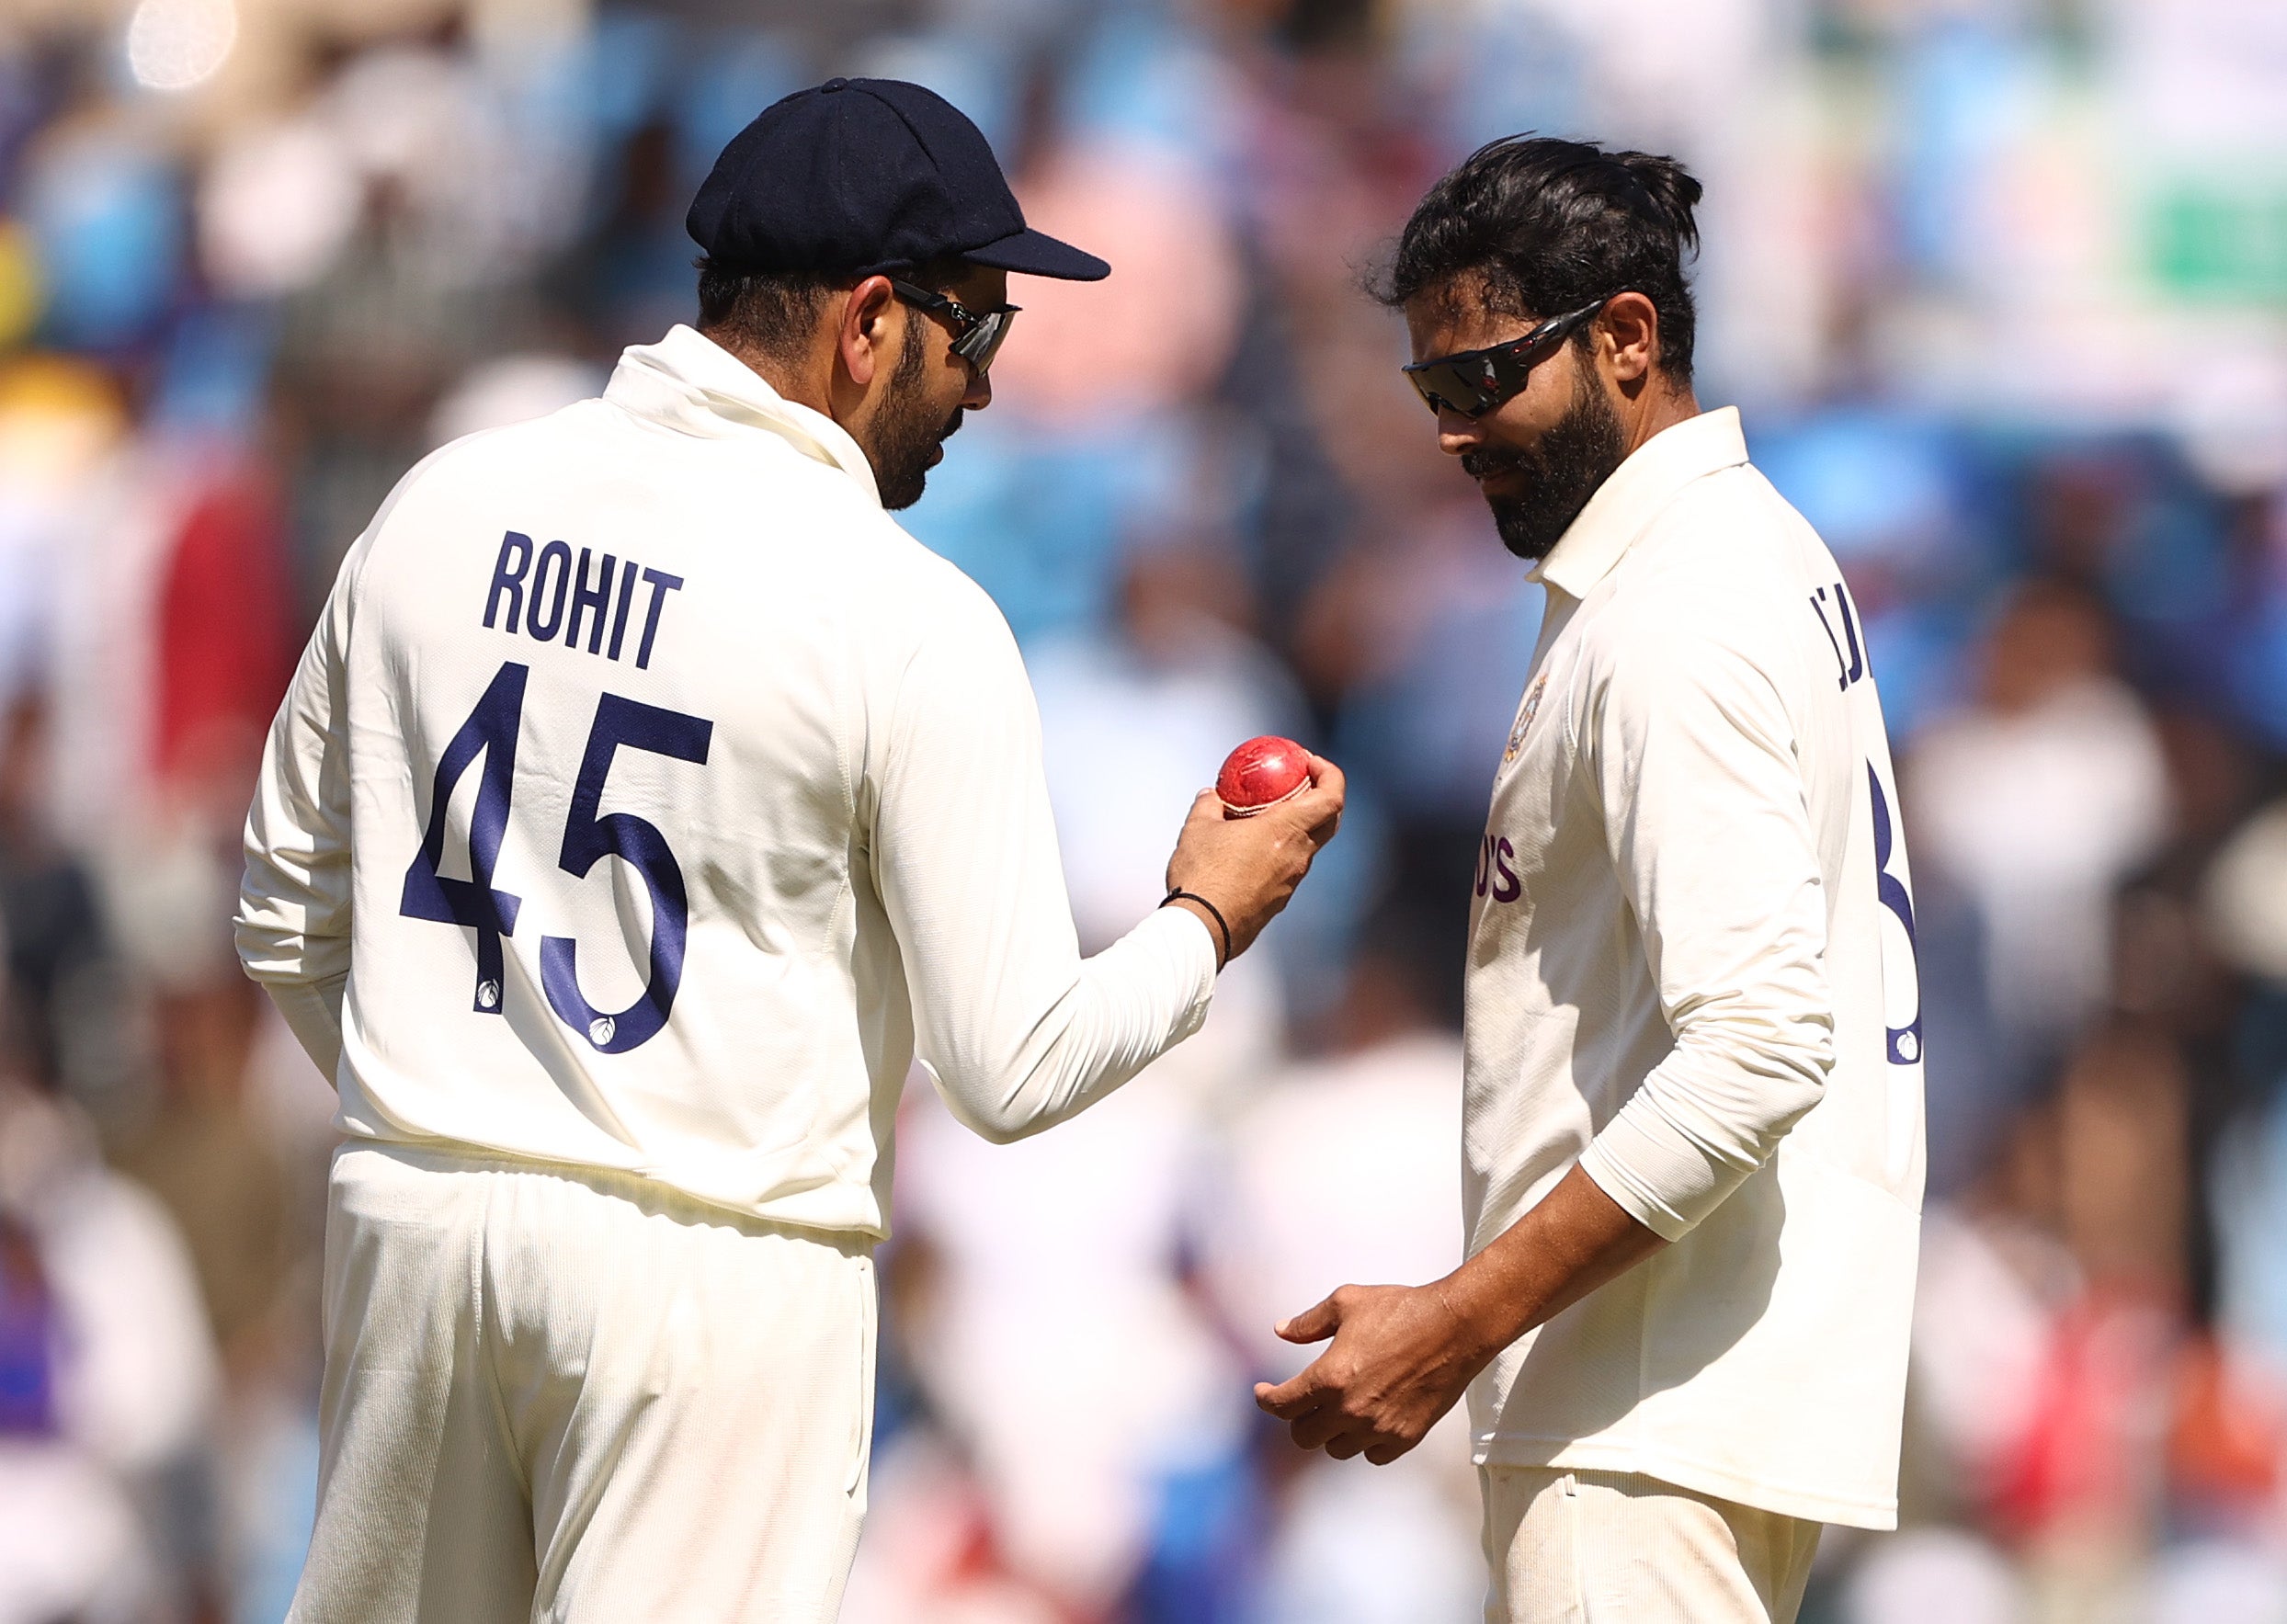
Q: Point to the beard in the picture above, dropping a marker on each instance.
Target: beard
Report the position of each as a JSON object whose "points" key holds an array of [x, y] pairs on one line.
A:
{"points": [[1562, 472], [907, 432]]}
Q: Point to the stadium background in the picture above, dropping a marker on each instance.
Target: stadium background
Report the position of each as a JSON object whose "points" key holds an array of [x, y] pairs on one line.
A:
{"points": [[2002, 289]]}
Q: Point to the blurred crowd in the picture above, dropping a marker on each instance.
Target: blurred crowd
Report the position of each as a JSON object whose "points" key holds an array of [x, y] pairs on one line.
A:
{"points": [[2001, 286]]}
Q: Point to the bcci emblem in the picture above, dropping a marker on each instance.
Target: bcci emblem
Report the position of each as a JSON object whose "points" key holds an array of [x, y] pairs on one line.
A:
{"points": [[1524, 717]]}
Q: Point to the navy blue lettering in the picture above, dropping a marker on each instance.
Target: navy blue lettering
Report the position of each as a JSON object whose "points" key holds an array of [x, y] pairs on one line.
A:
{"points": [[661, 584], [1842, 666], [489, 731], [583, 599], [590, 836], [1849, 667], [1850, 630], [509, 578], [627, 596], [557, 553], [1904, 1044]]}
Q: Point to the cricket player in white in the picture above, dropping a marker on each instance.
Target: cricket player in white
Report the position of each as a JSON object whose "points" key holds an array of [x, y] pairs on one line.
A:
{"points": [[1692, 1140], [645, 800]]}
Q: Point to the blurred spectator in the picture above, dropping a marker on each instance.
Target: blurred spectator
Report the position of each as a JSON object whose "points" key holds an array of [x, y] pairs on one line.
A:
{"points": [[207, 1158], [1342, 1169], [110, 1377], [1936, 1573], [1068, 1359], [2246, 899], [511, 389], [2037, 802]]}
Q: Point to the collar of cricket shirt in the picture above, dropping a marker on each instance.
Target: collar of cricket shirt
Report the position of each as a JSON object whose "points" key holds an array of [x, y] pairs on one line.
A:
{"points": [[1626, 502], [689, 382]]}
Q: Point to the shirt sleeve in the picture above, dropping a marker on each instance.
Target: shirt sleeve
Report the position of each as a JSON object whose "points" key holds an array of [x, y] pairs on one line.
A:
{"points": [[1020, 1032], [293, 903], [1705, 818], [311, 1011]]}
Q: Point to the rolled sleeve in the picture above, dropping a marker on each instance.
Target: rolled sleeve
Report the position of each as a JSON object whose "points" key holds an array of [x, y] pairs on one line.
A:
{"points": [[1693, 760]]}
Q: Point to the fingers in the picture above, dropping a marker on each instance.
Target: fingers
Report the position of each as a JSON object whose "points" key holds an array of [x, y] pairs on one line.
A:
{"points": [[1319, 1416], [1326, 1427], [1290, 1401], [1322, 1421], [1317, 812], [1319, 808], [1312, 1324]]}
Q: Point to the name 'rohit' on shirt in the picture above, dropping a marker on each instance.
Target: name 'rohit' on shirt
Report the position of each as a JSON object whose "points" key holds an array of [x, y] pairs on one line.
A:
{"points": [[549, 594]]}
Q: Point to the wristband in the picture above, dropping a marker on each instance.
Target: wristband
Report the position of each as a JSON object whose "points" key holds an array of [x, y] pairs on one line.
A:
{"points": [[1221, 924]]}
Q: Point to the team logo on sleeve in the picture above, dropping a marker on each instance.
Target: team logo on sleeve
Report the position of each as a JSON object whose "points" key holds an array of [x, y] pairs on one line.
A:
{"points": [[1524, 717]]}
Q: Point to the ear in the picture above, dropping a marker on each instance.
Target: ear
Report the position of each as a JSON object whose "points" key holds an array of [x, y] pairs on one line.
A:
{"points": [[867, 339], [1628, 336]]}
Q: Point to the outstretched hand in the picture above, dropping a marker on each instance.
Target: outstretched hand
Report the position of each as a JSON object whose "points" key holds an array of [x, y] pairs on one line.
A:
{"points": [[1401, 1356]]}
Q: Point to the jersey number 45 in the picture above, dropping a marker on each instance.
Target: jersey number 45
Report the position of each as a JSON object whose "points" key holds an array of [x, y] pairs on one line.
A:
{"points": [[475, 902]]}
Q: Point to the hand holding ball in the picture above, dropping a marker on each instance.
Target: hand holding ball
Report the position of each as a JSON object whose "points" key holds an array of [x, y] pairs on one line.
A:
{"points": [[1261, 773], [1235, 874]]}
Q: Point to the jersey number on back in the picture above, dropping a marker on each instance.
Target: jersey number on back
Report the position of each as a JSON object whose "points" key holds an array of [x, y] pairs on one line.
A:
{"points": [[1902, 1044], [491, 732]]}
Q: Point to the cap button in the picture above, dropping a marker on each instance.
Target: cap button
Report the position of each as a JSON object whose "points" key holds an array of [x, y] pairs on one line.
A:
{"points": [[835, 84]]}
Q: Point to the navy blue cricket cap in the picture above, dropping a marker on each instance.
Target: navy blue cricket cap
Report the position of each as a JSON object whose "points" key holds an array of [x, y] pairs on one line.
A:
{"points": [[858, 176]]}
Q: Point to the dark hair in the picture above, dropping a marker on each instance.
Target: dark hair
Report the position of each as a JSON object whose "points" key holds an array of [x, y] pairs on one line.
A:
{"points": [[1553, 225], [773, 312]]}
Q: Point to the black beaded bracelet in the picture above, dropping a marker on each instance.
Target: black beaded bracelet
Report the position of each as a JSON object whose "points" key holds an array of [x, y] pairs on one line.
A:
{"points": [[1221, 924]]}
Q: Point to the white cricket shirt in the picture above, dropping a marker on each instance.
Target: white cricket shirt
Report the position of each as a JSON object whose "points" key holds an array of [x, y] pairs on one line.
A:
{"points": [[660, 797], [1691, 970]]}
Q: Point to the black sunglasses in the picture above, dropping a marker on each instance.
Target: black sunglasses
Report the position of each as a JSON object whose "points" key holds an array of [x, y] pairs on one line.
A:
{"points": [[977, 335], [1473, 381]]}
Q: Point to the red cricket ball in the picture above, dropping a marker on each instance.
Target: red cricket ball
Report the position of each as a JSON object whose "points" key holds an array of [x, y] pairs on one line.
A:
{"points": [[1262, 772]]}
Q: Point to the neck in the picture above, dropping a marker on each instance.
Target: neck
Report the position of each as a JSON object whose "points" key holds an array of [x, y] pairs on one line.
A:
{"points": [[1659, 408], [805, 385]]}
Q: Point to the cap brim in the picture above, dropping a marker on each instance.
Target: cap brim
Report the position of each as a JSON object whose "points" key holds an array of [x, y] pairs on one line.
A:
{"points": [[1036, 254]]}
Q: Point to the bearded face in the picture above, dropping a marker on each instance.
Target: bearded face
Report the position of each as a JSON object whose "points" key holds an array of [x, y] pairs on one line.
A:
{"points": [[906, 438], [1545, 485]]}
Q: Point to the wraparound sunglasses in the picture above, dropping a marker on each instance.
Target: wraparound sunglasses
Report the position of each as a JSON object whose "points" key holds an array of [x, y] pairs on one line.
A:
{"points": [[977, 335], [1473, 381]]}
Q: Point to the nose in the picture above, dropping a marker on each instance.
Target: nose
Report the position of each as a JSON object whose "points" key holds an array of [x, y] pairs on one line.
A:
{"points": [[980, 392], [1457, 433]]}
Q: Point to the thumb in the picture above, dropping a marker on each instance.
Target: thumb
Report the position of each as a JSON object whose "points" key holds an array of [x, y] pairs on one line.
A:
{"points": [[1312, 1324]]}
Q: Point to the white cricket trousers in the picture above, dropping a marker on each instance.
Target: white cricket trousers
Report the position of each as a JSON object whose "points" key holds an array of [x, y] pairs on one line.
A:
{"points": [[569, 1394], [1619, 1547]]}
